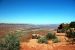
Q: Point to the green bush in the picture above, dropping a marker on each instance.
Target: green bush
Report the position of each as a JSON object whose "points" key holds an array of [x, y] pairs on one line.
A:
{"points": [[10, 42], [61, 26], [71, 35], [56, 40], [42, 40], [72, 24], [50, 36]]}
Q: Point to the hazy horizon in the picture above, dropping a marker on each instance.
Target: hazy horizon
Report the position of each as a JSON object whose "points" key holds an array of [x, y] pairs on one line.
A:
{"points": [[37, 11]]}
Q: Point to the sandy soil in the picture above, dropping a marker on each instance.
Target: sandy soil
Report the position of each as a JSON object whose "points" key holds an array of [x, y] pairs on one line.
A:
{"points": [[33, 45]]}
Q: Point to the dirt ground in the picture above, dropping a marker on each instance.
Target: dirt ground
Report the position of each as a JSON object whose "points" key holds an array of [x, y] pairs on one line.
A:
{"points": [[33, 45]]}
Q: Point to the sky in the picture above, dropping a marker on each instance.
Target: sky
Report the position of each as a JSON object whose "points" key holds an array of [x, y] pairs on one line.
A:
{"points": [[37, 11]]}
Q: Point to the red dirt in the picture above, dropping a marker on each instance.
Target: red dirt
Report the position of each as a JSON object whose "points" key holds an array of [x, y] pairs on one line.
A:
{"points": [[67, 47], [33, 45]]}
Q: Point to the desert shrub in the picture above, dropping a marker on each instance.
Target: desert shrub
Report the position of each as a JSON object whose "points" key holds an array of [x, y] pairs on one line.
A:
{"points": [[60, 26], [42, 40], [63, 27], [71, 35], [56, 40], [50, 36], [61, 31], [10, 42], [72, 24]]}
